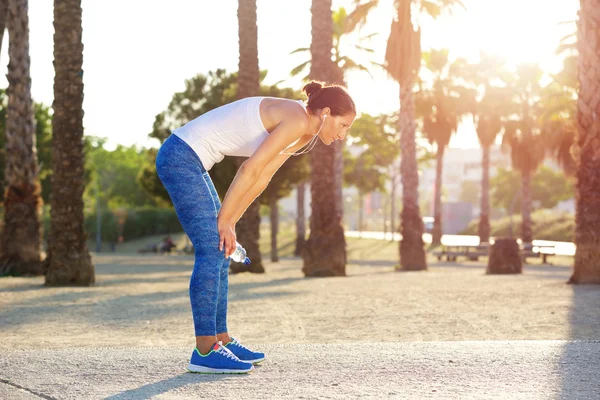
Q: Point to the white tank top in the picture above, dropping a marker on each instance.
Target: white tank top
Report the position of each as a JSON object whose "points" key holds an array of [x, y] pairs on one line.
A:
{"points": [[234, 129]]}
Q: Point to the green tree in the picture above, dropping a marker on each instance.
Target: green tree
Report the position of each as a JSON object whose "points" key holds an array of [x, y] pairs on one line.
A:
{"points": [[115, 174], [69, 261], [548, 188], [367, 169], [294, 170], [21, 239]]}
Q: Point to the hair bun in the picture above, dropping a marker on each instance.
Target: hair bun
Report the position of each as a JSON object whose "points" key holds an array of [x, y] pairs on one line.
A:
{"points": [[312, 87]]}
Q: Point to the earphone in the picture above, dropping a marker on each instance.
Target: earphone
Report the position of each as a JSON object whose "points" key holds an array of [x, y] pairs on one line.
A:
{"points": [[310, 144]]}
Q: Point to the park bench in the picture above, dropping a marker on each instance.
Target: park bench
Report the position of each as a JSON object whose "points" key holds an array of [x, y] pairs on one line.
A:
{"points": [[473, 252]]}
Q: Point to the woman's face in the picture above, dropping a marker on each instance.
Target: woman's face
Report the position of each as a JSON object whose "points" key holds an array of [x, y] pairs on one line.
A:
{"points": [[335, 127]]}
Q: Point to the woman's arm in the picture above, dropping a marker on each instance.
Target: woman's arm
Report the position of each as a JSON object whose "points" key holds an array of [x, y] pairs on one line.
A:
{"points": [[250, 172], [266, 177]]}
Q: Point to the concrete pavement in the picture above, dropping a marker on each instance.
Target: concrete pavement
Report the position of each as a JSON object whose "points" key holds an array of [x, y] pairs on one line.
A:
{"points": [[400, 370]]}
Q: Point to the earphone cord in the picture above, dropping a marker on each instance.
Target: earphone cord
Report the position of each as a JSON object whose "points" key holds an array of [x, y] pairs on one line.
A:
{"points": [[310, 144]]}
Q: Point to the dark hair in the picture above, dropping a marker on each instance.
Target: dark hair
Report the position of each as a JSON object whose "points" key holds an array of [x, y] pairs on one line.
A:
{"points": [[335, 97]]}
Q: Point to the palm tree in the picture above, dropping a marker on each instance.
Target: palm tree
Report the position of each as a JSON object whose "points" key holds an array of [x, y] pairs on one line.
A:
{"points": [[69, 261], [21, 236], [560, 104], [587, 227], [3, 14], [490, 112], [488, 121], [402, 61], [523, 134], [248, 227], [325, 250], [442, 105], [344, 64], [340, 28]]}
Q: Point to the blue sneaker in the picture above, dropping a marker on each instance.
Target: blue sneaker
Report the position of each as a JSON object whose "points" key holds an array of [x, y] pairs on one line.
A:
{"points": [[243, 353], [220, 360]]}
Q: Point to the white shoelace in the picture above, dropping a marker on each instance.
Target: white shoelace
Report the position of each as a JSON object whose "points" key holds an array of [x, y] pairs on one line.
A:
{"points": [[227, 353], [238, 343]]}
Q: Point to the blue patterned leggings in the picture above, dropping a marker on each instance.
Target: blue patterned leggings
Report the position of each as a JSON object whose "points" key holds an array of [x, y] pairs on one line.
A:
{"points": [[197, 206]]}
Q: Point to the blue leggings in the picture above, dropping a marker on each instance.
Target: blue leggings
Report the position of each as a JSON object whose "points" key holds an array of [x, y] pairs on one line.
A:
{"points": [[197, 206]]}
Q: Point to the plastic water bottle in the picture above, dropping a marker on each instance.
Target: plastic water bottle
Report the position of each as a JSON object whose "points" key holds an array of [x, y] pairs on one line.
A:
{"points": [[239, 255]]}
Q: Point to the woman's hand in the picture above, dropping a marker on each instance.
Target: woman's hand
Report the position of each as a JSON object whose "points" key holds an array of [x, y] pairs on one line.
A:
{"points": [[227, 238]]}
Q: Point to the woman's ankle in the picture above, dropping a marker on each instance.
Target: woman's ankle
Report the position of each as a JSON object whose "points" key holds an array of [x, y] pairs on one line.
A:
{"points": [[224, 337], [204, 344]]}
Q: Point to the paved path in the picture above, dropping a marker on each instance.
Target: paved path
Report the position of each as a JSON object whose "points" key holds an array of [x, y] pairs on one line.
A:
{"points": [[401, 370]]}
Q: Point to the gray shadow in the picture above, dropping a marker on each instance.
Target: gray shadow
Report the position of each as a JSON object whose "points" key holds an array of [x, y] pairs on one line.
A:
{"points": [[578, 365], [89, 306], [176, 382]]}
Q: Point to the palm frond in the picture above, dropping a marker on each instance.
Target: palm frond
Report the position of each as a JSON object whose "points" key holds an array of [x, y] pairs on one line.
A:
{"points": [[300, 68], [300, 50], [358, 17], [365, 49]]}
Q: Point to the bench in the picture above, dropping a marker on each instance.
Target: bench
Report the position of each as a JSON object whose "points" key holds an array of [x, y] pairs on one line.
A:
{"points": [[473, 252]]}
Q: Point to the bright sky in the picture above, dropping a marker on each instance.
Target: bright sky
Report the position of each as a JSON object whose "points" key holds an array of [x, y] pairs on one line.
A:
{"points": [[137, 53]]}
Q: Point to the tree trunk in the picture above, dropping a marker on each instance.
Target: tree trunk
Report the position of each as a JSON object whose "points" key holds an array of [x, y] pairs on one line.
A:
{"points": [[484, 218], [527, 224], [436, 234], [412, 253], [393, 205], [3, 15], [361, 210], [274, 227], [504, 257], [587, 226], [69, 261], [21, 252], [300, 220], [325, 250], [248, 227]]}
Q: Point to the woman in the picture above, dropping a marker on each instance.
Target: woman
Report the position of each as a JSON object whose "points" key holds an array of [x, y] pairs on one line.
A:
{"points": [[267, 130]]}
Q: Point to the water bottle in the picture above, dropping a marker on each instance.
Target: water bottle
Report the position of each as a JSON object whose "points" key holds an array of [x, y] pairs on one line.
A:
{"points": [[239, 255]]}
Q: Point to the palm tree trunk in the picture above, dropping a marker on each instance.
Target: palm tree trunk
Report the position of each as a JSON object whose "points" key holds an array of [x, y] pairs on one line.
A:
{"points": [[393, 204], [437, 205], [527, 224], [69, 261], [21, 252], [3, 15], [361, 209], [484, 218], [587, 227], [412, 253], [274, 217], [325, 250], [300, 220], [248, 227]]}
